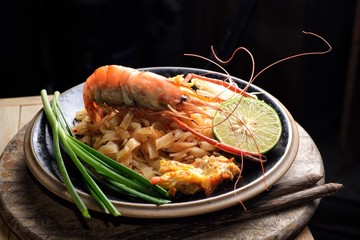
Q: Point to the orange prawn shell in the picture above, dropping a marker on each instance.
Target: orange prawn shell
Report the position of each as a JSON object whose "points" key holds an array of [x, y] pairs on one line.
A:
{"points": [[114, 86]]}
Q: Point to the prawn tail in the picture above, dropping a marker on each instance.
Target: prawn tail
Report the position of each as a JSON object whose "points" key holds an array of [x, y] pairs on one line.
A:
{"points": [[91, 88], [94, 112]]}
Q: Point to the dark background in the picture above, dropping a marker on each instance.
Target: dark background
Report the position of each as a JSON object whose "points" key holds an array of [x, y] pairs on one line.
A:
{"points": [[53, 45]]}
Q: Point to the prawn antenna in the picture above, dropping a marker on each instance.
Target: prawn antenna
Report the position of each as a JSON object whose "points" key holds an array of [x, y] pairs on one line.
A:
{"points": [[227, 61], [298, 55], [209, 60], [232, 56]]}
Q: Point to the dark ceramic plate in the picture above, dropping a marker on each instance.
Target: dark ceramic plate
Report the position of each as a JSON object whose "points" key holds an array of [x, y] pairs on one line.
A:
{"points": [[41, 161]]}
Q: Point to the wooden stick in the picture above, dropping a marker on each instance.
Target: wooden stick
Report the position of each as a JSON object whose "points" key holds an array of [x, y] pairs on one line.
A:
{"points": [[291, 200], [290, 186], [189, 226]]}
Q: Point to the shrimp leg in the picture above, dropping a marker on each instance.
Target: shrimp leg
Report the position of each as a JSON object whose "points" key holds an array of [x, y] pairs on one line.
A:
{"points": [[222, 146]]}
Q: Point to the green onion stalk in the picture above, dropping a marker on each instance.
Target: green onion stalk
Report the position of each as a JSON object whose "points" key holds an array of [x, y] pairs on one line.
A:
{"points": [[95, 167]]}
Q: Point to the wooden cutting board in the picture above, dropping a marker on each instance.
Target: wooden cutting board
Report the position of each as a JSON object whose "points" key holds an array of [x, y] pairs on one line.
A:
{"points": [[33, 212]]}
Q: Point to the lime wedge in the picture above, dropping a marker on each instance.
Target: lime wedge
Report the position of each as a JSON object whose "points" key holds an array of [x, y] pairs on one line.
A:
{"points": [[253, 126]]}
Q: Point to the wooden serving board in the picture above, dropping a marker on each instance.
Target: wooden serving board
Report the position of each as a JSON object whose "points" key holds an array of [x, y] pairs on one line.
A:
{"points": [[33, 212]]}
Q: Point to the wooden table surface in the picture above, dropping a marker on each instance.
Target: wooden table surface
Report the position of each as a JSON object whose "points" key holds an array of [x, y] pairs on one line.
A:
{"points": [[16, 113]]}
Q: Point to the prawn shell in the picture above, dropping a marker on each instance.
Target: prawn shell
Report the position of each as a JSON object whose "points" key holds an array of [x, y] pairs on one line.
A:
{"points": [[112, 87]]}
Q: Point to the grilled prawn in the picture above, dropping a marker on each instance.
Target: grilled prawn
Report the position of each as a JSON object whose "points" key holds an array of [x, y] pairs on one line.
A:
{"points": [[115, 87]]}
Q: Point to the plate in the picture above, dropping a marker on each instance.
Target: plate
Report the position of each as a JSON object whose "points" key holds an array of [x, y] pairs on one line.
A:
{"points": [[41, 161]]}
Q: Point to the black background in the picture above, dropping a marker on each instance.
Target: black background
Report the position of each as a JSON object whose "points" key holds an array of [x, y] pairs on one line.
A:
{"points": [[58, 44]]}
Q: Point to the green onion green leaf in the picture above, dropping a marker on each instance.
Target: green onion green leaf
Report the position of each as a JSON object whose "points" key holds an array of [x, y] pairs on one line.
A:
{"points": [[95, 167]]}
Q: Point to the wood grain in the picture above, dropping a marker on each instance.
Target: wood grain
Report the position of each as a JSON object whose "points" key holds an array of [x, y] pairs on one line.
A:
{"points": [[32, 211], [233, 215], [32, 222]]}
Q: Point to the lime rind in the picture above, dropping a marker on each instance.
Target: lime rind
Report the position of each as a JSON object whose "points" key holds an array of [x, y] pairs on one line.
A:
{"points": [[253, 126]]}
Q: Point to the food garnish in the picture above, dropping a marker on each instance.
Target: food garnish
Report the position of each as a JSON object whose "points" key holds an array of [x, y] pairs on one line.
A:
{"points": [[248, 123]]}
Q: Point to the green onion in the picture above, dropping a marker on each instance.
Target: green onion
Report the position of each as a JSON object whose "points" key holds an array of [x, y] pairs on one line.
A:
{"points": [[95, 167], [125, 171]]}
